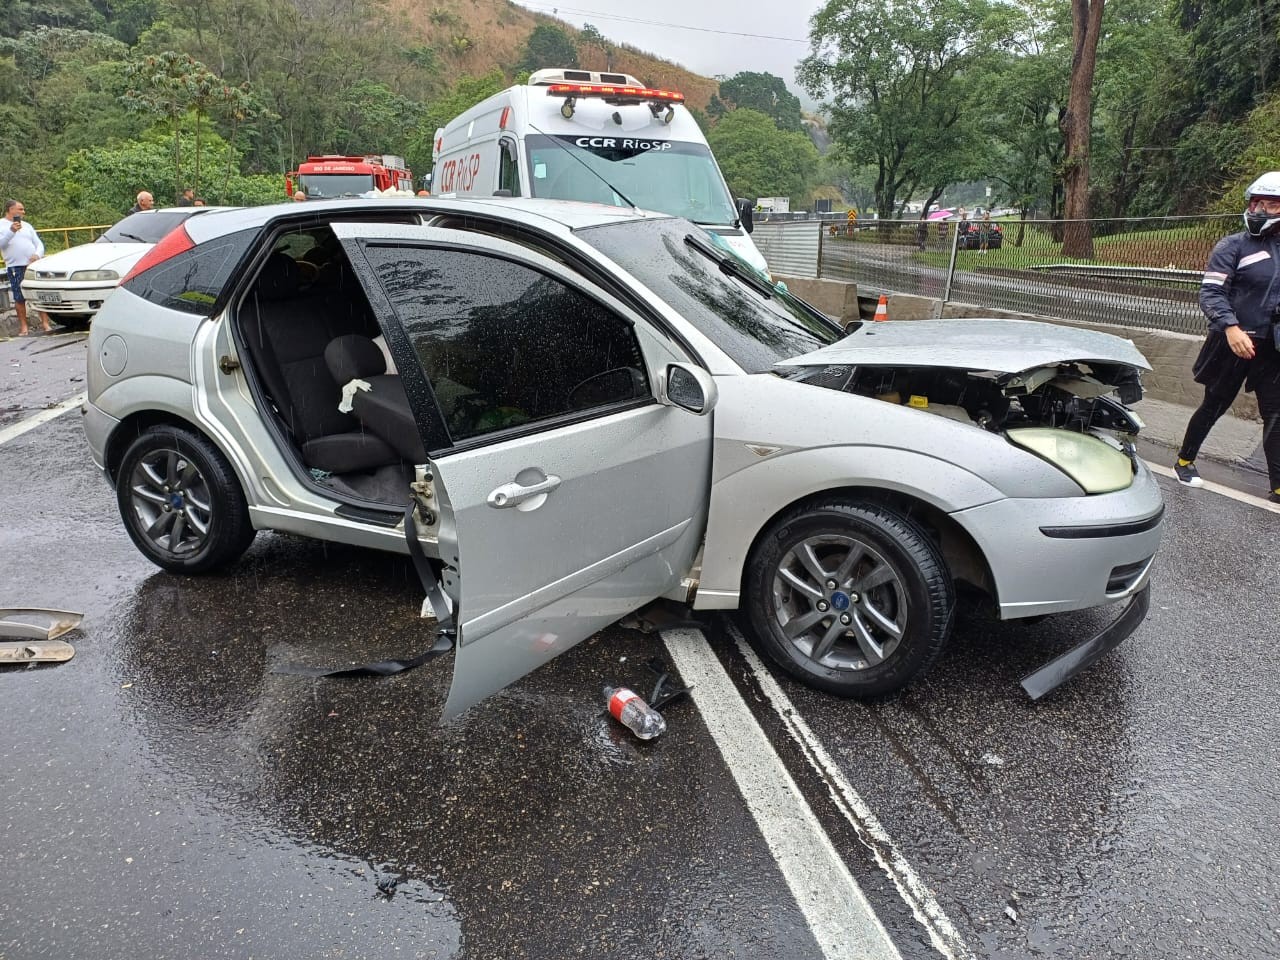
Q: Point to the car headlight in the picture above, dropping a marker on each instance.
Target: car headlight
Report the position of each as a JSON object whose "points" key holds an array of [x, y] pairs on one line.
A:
{"points": [[1097, 466], [95, 275]]}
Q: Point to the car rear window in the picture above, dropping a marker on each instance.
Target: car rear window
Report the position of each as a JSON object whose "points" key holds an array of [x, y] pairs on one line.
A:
{"points": [[193, 281], [148, 227]]}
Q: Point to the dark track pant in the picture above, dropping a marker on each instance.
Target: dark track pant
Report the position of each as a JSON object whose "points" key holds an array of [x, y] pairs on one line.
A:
{"points": [[1264, 381]]}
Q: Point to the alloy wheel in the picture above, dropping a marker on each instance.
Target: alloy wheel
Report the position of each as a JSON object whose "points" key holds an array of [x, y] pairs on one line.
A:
{"points": [[171, 500], [839, 602]]}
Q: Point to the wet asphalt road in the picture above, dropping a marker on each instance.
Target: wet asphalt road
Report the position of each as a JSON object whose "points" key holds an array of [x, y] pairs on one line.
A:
{"points": [[165, 795]]}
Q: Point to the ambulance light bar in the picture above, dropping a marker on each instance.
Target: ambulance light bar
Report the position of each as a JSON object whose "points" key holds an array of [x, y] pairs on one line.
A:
{"points": [[614, 94]]}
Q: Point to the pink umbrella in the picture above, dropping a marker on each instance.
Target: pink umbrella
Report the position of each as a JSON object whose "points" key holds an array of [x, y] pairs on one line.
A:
{"points": [[941, 214]]}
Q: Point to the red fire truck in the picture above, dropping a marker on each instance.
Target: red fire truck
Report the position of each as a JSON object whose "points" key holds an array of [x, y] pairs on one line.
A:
{"points": [[322, 178]]}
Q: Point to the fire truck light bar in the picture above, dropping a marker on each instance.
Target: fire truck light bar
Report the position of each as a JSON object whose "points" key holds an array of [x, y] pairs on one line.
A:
{"points": [[636, 94]]}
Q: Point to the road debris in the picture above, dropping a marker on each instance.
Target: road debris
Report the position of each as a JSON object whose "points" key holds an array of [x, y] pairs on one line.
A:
{"points": [[30, 635]]}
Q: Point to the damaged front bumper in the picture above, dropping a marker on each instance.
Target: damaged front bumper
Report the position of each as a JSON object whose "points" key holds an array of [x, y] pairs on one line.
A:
{"points": [[1063, 668]]}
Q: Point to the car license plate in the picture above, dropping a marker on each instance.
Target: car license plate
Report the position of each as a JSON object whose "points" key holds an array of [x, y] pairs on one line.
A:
{"points": [[48, 296]]}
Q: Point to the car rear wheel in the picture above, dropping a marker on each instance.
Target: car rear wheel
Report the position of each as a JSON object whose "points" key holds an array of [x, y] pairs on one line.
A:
{"points": [[852, 598], [181, 501]]}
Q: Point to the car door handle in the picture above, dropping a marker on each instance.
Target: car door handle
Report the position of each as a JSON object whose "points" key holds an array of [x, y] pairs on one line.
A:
{"points": [[512, 494]]}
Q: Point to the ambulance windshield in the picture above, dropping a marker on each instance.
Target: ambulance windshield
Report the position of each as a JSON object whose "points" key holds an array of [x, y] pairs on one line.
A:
{"points": [[668, 176]]}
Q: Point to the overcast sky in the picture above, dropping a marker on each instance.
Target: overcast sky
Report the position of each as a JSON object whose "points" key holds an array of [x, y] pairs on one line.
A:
{"points": [[717, 46]]}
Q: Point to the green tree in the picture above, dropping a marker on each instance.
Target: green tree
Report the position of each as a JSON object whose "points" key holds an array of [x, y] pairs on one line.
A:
{"points": [[758, 159], [590, 36], [896, 76], [1021, 95], [1076, 124], [164, 85], [99, 183], [466, 93], [766, 94], [548, 46]]}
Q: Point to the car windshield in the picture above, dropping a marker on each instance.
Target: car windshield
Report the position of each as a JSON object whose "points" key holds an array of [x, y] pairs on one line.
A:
{"points": [[321, 186], [148, 227], [754, 320], [669, 176]]}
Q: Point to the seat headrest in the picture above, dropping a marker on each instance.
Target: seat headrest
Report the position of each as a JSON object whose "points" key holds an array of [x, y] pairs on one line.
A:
{"points": [[280, 278], [352, 356]]}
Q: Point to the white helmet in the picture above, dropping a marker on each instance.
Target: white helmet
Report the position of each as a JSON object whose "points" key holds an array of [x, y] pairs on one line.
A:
{"points": [[1261, 223]]}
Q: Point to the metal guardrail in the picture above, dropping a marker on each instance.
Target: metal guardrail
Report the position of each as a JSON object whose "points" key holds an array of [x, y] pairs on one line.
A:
{"points": [[1143, 272], [1164, 274]]}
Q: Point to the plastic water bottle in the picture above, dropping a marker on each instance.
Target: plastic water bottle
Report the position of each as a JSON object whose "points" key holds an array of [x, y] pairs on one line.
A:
{"points": [[629, 709]]}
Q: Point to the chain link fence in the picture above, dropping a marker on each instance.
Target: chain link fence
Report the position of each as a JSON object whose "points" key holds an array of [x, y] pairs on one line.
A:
{"points": [[1144, 272]]}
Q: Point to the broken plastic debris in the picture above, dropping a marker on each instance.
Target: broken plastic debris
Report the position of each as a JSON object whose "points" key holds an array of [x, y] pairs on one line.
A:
{"points": [[37, 623]]}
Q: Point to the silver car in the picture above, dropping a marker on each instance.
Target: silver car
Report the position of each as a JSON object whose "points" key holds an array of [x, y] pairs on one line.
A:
{"points": [[567, 411]]}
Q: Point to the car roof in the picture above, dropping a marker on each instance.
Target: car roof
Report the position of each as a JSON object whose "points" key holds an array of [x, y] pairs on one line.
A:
{"points": [[551, 215]]}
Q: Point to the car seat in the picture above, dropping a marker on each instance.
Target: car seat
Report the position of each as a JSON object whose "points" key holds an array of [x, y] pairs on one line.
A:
{"points": [[383, 408], [286, 334]]}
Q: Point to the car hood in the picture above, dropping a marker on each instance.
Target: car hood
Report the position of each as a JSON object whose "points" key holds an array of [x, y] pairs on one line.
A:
{"points": [[94, 256], [998, 346]]}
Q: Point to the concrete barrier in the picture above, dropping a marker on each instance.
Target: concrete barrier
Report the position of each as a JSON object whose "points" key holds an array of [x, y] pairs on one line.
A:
{"points": [[836, 298]]}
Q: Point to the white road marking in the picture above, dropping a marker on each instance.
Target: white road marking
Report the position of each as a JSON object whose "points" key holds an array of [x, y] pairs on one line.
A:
{"points": [[44, 416], [914, 891], [841, 919], [1246, 498]]}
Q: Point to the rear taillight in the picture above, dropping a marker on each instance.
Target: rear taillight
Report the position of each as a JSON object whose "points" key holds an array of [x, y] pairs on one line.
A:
{"points": [[176, 241]]}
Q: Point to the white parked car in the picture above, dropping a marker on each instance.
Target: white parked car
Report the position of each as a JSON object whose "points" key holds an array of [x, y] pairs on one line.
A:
{"points": [[72, 284]]}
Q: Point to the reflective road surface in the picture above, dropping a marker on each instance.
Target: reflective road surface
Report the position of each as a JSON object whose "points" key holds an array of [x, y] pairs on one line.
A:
{"points": [[165, 795]]}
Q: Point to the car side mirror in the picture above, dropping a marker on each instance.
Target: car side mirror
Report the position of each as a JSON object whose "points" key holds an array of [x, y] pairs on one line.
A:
{"points": [[745, 208], [690, 388]]}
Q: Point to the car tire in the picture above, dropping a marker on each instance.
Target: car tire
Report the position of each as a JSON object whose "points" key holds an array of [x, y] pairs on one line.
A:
{"points": [[891, 584], [171, 482]]}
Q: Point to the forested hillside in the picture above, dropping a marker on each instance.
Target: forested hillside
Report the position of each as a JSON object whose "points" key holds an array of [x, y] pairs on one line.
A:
{"points": [[102, 99]]}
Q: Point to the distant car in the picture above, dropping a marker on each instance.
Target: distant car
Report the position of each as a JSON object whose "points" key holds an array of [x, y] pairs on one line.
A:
{"points": [[971, 235], [545, 441], [72, 284]]}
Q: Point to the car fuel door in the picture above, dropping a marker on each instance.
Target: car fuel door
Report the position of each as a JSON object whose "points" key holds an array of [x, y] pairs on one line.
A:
{"points": [[564, 487]]}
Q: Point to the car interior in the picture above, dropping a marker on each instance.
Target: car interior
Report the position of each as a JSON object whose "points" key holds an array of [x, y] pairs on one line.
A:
{"points": [[308, 330], [324, 373]]}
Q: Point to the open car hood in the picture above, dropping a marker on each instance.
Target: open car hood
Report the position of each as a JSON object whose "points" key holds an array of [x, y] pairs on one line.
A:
{"points": [[998, 346]]}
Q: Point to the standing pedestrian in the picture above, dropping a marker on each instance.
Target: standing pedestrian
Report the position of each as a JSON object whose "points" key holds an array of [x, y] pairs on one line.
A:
{"points": [[20, 246], [984, 231], [187, 198], [145, 202], [1240, 296], [299, 196]]}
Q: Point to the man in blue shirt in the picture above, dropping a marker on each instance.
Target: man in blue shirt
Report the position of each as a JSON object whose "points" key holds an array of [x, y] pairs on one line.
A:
{"points": [[20, 246]]}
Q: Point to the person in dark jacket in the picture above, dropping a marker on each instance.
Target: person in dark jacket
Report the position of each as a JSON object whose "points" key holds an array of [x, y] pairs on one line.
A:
{"points": [[1240, 297]]}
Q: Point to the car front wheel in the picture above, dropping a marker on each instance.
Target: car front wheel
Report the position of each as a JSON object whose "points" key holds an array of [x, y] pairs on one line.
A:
{"points": [[848, 597], [181, 501]]}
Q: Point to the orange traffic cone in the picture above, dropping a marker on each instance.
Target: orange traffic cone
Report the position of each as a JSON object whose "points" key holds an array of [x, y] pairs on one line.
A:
{"points": [[882, 309]]}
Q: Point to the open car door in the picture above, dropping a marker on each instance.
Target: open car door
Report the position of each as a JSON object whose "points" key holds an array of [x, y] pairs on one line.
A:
{"points": [[566, 493]]}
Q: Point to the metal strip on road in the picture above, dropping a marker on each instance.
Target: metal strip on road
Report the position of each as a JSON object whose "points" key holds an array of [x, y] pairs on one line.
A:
{"points": [[838, 914], [1237, 495], [44, 416]]}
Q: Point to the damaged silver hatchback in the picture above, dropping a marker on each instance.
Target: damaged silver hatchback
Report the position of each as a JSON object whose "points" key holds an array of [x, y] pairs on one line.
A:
{"points": [[574, 410]]}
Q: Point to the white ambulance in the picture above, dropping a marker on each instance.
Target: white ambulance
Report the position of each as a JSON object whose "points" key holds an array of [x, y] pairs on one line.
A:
{"points": [[594, 137]]}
